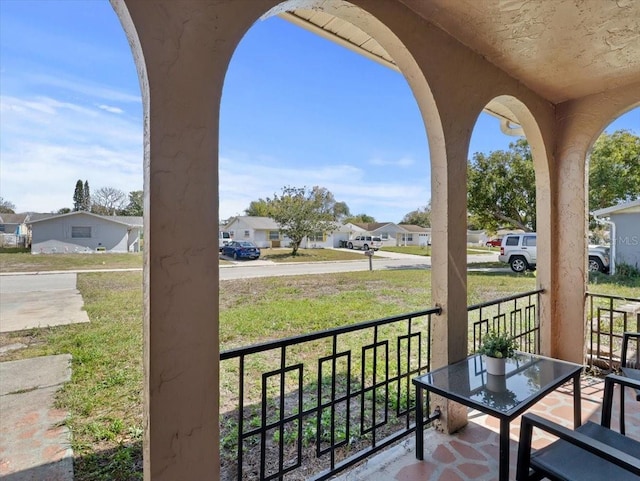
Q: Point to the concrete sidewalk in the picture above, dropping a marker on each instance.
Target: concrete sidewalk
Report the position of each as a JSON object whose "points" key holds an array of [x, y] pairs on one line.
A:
{"points": [[39, 301], [34, 445]]}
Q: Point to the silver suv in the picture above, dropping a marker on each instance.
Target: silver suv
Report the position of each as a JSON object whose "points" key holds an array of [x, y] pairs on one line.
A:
{"points": [[520, 252], [365, 242]]}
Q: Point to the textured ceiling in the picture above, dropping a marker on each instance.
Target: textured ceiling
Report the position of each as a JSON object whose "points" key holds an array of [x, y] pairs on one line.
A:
{"points": [[561, 49]]}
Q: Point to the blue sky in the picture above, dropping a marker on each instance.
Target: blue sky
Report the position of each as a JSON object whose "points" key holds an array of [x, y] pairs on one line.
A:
{"points": [[296, 110]]}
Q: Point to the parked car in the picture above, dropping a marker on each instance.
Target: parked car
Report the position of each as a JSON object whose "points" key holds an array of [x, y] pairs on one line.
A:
{"points": [[365, 242], [224, 238], [599, 259], [241, 250], [494, 243], [520, 252]]}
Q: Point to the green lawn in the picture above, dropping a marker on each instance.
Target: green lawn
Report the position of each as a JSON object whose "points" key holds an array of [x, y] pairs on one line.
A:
{"points": [[26, 262], [426, 250], [415, 250], [104, 396], [309, 255]]}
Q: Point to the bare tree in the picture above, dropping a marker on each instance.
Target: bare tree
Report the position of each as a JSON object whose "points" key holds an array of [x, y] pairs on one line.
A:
{"points": [[108, 201], [7, 207]]}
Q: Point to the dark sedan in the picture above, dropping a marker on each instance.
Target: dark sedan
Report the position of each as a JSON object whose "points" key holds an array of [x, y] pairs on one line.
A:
{"points": [[241, 250]]}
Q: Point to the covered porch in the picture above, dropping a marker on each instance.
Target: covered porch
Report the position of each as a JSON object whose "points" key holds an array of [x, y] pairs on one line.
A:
{"points": [[561, 70], [472, 454]]}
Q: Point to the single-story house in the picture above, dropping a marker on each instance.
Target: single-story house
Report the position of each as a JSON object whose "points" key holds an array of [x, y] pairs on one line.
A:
{"points": [[624, 221], [14, 224], [413, 235], [387, 231], [263, 231], [85, 232], [329, 239], [13, 230]]}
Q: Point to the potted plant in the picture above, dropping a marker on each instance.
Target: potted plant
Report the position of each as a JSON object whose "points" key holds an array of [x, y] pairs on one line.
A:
{"points": [[496, 348]]}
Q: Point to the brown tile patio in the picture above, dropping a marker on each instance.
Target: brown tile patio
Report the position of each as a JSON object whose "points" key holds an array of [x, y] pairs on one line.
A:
{"points": [[472, 453]]}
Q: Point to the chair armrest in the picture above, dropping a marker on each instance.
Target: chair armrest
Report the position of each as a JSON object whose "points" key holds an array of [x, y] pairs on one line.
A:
{"points": [[625, 345], [588, 444], [607, 400]]}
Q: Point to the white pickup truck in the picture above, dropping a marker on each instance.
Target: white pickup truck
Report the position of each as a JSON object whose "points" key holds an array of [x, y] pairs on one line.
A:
{"points": [[224, 238], [365, 242]]}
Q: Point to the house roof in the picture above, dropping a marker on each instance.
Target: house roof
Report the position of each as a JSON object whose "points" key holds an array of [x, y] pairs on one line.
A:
{"points": [[256, 223], [132, 220], [561, 49], [13, 218], [372, 226], [414, 228], [36, 216], [129, 221], [626, 208]]}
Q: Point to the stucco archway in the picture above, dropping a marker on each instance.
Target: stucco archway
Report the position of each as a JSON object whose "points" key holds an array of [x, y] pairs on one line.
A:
{"points": [[182, 50]]}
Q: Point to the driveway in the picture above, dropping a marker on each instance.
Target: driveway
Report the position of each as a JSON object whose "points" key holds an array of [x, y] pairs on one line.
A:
{"points": [[39, 300]]}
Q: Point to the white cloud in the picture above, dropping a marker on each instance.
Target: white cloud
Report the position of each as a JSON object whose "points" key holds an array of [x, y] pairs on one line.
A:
{"points": [[81, 86], [113, 110], [402, 162], [47, 145], [243, 180]]}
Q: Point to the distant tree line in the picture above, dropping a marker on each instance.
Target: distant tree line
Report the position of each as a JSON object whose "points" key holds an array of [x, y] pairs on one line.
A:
{"points": [[105, 201]]}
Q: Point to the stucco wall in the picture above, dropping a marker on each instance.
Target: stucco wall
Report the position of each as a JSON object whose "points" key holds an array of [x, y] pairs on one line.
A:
{"points": [[627, 238], [54, 235]]}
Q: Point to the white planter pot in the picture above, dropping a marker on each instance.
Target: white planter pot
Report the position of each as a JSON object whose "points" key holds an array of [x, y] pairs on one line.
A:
{"points": [[495, 366]]}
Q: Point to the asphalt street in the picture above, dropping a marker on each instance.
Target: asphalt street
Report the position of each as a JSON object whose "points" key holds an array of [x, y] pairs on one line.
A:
{"points": [[382, 261]]}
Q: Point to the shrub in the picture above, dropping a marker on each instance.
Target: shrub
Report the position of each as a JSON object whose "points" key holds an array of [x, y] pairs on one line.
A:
{"points": [[497, 344]]}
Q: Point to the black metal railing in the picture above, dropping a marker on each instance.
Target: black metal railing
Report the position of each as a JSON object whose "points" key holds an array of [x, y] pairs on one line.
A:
{"points": [[310, 406], [517, 314], [607, 318], [327, 399]]}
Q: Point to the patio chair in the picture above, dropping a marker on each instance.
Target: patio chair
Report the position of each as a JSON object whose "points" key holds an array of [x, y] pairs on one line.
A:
{"points": [[629, 368], [591, 452]]}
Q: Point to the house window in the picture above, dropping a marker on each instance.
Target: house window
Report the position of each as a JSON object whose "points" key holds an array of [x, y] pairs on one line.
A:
{"points": [[384, 236], [1, 227], [81, 232], [409, 237], [247, 234], [317, 237], [274, 235]]}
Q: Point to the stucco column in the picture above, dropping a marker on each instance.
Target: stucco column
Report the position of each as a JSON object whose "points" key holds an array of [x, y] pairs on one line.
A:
{"points": [[449, 264], [579, 123], [182, 50]]}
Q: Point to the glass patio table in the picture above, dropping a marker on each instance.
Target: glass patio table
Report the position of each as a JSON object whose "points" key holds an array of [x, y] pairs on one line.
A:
{"points": [[528, 379]]}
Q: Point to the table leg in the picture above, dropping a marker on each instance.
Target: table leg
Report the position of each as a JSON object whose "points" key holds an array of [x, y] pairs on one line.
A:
{"points": [[419, 424], [577, 402], [503, 459]]}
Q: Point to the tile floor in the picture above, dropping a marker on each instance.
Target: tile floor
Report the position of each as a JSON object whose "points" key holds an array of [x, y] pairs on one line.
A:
{"points": [[472, 453]]}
